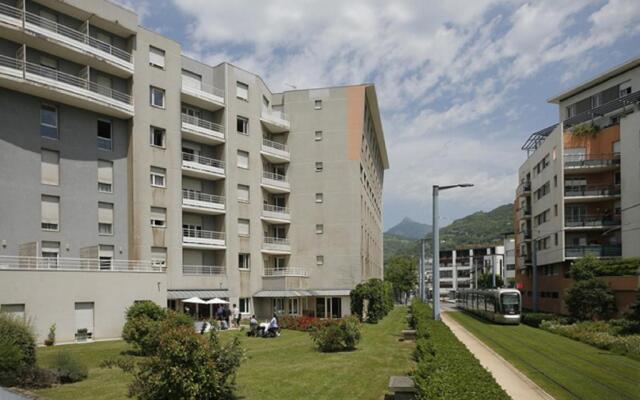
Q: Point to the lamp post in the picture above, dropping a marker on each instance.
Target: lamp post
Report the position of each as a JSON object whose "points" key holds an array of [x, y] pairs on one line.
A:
{"points": [[435, 276]]}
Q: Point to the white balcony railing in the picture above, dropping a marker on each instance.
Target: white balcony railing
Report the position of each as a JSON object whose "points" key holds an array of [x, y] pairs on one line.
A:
{"points": [[272, 208], [275, 115], [281, 179], [202, 92], [203, 124], [270, 144], [276, 242], [200, 197], [202, 164], [208, 270], [202, 234], [289, 271], [77, 264]]}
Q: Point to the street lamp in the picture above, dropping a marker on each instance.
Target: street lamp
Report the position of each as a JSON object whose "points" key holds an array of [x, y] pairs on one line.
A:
{"points": [[435, 276]]}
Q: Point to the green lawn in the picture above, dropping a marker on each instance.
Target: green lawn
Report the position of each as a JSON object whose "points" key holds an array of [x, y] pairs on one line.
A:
{"points": [[565, 368], [287, 367]]}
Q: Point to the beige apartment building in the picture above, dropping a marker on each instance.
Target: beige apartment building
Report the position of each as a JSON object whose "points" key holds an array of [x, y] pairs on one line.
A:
{"points": [[579, 189], [129, 171]]}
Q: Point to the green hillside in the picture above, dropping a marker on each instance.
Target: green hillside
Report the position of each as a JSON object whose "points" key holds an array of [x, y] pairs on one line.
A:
{"points": [[399, 246]]}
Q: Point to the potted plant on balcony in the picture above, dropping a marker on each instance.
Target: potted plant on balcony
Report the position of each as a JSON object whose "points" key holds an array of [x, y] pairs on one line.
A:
{"points": [[51, 337], [585, 129]]}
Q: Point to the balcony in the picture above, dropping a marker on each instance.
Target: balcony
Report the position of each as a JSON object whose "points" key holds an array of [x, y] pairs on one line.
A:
{"points": [[275, 183], [602, 110], [524, 189], [275, 121], [585, 163], [204, 270], [202, 203], [64, 41], [203, 96], [596, 250], [275, 214], [275, 152], [21, 263], [202, 167], [590, 193], [276, 245], [201, 239], [202, 131], [525, 212], [289, 271], [51, 84], [594, 221]]}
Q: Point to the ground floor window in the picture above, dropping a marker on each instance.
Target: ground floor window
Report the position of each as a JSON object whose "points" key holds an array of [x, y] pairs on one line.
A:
{"points": [[278, 306], [15, 310], [245, 305], [294, 307], [328, 307]]}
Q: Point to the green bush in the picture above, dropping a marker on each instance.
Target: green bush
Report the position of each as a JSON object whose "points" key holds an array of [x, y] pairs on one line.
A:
{"points": [[589, 267], [51, 337], [339, 335], [535, 319], [590, 299], [445, 367], [68, 369], [17, 350], [380, 297]]}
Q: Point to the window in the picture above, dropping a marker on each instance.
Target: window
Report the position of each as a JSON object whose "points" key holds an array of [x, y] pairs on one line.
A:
{"points": [[294, 306], [243, 227], [244, 261], [616, 147], [158, 217], [156, 57], [105, 176], [105, 254], [50, 251], [555, 181], [48, 121], [319, 260], [242, 125], [319, 166], [243, 193], [14, 310], [318, 136], [84, 317], [317, 105], [50, 209], [243, 159], [555, 239], [555, 210], [319, 229], [50, 168], [105, 141], [245, 305], [242, 91], [157, 137], [159, 257], [191, 80], [105, 218], [319, 198], [157, 97], [158, 177]]}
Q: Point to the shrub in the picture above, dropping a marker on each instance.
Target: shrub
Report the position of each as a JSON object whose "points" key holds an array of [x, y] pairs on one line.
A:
{"points": [[443, 362], [338, 335], [17, 350], [147, 309], [535, 319], [590, 300], [68, 369], [302, 323], [585, 129], [589, 267], [51, 337], [379, 294]]}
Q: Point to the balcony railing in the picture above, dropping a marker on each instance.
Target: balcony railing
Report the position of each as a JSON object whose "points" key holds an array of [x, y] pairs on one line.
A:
{"points": [[596, 250], [289, 271], [591, 160], [591, 190], [202, 123], [208, 270], [202, 234], [275, 115], [591, 220], [524, 187], [274, 177], [276, 241], [604, 109], [274, 145], [200, 197], [204, 161], [77, 264], [206, 89], [272, 208]]}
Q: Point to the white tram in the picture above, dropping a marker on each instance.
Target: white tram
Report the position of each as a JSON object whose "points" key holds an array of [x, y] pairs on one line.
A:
{"points": [[499, 305]]}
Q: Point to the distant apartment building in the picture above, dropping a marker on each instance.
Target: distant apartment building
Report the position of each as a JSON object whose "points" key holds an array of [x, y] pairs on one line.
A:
{"points": [[579, 189], [129, 172]]}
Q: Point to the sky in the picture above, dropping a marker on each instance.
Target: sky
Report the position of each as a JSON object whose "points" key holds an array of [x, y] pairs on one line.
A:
{"points": [[461, 83]]}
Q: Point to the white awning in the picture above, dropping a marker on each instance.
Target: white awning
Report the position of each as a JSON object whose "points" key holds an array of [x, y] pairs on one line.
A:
{"points": [[282, 293], [331, 292], [203, 294]]}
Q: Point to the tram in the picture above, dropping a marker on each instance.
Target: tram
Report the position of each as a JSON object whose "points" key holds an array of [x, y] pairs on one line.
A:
{"points": [[499, 305]]}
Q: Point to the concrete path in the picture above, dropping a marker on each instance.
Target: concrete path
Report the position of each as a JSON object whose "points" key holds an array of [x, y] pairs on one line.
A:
{"points": [[514, 382]]}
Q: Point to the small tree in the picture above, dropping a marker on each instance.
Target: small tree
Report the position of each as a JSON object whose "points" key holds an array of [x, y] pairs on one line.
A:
{"points": [[584, 268], [402, 273], [590, 299], [380, 298], [485, 281]]}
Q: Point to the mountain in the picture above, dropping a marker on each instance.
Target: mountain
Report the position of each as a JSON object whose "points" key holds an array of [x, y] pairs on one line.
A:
{"points": [[399, 246], [409, 229]]}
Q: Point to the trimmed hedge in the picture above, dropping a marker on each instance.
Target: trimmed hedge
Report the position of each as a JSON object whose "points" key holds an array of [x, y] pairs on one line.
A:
{"points": [[302, 323], [445, 367], [534, 319]]}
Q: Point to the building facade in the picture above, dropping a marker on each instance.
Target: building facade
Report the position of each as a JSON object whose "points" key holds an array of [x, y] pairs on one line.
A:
{"points": [[579, 189], [129, 171]]}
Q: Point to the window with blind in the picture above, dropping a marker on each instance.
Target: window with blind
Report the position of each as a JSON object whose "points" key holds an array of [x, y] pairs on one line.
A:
{"points": [[50, 250], [159, 256], [243, 193], [156, 57], [105, 218], [158, 217], [50, 167], [242, 91], [243, 159], [105, 176], [243, 227], [105, 254], [50, 211], [191, 80]]}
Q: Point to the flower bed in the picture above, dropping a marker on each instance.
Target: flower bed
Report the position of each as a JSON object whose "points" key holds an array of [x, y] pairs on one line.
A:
{"points": [[446, 369], [302, 323]]}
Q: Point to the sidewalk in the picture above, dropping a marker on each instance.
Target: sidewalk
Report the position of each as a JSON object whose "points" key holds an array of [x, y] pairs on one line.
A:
{"points": [[514, 382]]}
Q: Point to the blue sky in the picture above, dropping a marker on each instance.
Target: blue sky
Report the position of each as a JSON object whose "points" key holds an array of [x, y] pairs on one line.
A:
{"points": [[461, 83]]}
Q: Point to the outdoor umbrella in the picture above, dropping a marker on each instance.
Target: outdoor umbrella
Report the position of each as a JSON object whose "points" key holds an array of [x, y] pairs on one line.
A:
{"points": [[216, 300], [196, 301]]}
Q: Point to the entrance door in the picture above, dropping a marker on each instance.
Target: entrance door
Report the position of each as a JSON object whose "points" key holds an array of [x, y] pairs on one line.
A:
{"points": [[84, 316], [336, 307], [320, 307]]}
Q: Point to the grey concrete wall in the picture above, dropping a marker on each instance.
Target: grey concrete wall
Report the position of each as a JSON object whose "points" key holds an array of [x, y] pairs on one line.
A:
{"points": [[630, 174]]}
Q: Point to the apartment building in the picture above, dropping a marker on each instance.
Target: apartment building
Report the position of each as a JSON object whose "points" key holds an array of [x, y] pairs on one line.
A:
{"points": [[129, 172], [579, 189]]}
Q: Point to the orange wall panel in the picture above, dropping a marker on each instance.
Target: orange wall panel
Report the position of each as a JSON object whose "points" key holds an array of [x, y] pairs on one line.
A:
{"points": [[355, 120], [601, 143]]}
